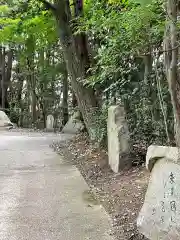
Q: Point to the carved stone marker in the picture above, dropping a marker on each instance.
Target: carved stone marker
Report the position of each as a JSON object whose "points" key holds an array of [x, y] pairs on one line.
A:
{"points": [[74, 125], [50, 123], [159, 217], [118, 139]]}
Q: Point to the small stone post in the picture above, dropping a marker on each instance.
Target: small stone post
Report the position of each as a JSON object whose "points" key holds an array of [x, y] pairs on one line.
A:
{"points": [[118, 139], [50, 123]]}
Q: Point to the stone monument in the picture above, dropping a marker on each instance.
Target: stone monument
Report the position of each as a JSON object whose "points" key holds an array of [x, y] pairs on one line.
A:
{"points": [[118, 139], [50, 123], [74, 125], [159, 217], [5, 122]]}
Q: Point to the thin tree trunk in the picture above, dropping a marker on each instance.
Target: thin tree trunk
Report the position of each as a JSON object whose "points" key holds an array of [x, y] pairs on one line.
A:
{"points": [[8, 76], [31, 77], [32, 86], [161, 102], [34, 116], [171, 61], [9, 68], [42, 86], [65, 99], [19, 94], [3, 80], [147, 60], [147, 68]]}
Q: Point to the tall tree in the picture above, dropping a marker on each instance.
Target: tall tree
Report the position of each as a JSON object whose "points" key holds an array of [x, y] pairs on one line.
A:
{"points": [[76, 67], [65, 98], [2, 77], [6, 59]]}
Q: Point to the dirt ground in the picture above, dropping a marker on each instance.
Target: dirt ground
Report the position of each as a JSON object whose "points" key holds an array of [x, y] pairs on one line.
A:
{"points": [[121, 194]]}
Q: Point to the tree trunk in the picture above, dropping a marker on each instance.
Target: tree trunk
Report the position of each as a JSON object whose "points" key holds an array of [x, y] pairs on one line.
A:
{"points": [[32, 86], [80, 39], [31, 76], [171, 61], [8, 76], [65, 99], [19, 94], [5, 76], [74, 100], [3, 79], [41, 100], [76, 67], [147, 60], [34, 116], [147, 68], [9, 68]]}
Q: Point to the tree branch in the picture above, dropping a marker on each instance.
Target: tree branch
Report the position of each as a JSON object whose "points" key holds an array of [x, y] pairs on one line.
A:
{"points": [[160, 51]]}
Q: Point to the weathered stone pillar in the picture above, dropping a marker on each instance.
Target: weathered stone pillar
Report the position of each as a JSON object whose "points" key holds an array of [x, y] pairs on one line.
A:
{"points": [[118, 139]]}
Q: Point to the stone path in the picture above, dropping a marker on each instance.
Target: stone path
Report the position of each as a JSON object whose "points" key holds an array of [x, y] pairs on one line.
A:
{"points": [[41, 195]]}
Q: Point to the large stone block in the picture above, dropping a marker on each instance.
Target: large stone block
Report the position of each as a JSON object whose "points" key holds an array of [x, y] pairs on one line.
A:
{"points": [[155, 152], [118, 139], [159, 217]]}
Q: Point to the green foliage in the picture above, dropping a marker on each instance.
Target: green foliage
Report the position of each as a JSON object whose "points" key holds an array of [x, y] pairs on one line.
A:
{"points": [[3, 10], [122, 32], [121, 36], [143, 2], [17, 25], [99, 128], [30, 30]]}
